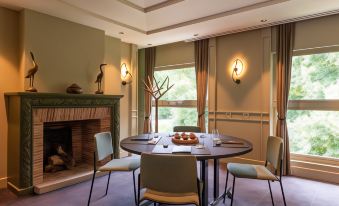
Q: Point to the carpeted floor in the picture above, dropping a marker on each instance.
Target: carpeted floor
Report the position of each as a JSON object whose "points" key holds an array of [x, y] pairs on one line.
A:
{"points": [[300, 192]]}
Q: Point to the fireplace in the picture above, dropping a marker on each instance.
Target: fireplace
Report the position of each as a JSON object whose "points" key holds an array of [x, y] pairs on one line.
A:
{"points": [[39, 121], [58, 152]]}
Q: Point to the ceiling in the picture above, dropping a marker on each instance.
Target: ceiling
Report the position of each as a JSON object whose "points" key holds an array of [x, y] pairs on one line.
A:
{"points": [[155, 22]]}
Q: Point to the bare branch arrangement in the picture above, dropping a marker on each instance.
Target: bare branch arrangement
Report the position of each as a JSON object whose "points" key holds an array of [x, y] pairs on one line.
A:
{"points": [[157, 92]]}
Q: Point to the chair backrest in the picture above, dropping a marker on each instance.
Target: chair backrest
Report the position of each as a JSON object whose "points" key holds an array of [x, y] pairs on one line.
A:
{"points": [[274, 152], [169, 173], [187, 129], [103, 142]]}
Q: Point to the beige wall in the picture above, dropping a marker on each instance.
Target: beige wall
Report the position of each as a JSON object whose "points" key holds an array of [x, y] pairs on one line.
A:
{"points": [[250, 97], [9, 76], [66, 53], [125, 104]]}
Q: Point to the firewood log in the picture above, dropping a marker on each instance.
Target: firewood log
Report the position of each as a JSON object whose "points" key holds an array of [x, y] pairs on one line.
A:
{"points": [[54, 168], [67, 158], [55, 160]]}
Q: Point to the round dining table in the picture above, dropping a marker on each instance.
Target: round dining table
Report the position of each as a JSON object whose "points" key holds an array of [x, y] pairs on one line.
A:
{"points": [[230, 147]]}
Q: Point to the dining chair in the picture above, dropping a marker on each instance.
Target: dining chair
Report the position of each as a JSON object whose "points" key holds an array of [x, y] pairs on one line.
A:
{"points": [[104, 149], [187, 129], [169, 179], [272, 170]]}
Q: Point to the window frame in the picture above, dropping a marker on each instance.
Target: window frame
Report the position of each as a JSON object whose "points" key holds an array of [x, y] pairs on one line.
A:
{"points": [[175, 103], [314, 105]]}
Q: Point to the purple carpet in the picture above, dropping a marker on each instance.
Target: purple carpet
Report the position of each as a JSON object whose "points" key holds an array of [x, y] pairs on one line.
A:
{"points": [[299, 192]]}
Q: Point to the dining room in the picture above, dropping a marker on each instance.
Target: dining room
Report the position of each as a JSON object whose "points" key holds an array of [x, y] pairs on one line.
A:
{"points": [[169, 102]]}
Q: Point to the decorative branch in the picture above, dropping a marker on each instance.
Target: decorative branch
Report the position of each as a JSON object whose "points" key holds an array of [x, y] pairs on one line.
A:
{"points": [[156, 92]]}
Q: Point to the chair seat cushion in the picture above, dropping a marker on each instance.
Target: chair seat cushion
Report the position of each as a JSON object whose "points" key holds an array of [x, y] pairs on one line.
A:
{"points": [[171, 198], [250, 171], [124, 164]]}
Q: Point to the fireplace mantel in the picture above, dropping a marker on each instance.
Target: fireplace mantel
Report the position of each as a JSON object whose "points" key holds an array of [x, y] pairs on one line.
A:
{"points": [[20, 108]]}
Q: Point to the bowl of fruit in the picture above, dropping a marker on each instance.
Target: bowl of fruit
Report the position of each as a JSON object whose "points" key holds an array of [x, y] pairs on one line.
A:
{"points": [[185, 138]]}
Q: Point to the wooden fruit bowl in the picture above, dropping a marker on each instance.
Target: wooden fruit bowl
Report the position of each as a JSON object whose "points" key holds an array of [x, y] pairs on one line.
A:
{"points": [[182, 141], [185, 139]]}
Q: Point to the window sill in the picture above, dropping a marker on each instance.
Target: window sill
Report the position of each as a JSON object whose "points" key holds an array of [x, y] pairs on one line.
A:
{"points": [[315, 167], [315, 159]]}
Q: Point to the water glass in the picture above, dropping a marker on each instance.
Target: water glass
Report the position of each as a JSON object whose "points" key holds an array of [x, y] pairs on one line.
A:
{"points": [[215, 137]]}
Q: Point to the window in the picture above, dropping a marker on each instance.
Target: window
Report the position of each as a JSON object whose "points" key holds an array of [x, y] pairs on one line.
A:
{"points": [[178, 106], [313, 115]]}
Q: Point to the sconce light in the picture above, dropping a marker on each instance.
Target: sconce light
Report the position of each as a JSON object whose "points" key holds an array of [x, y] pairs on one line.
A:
{"points": [[124, 74], [238, 67]]}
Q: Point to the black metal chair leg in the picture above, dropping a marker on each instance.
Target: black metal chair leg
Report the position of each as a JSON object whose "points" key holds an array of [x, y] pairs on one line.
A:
{"points": [[282, 191], [109, 177], [269, 185], [135, 191], [233, 190], [90, 193], [139, 189], [226, 187]]}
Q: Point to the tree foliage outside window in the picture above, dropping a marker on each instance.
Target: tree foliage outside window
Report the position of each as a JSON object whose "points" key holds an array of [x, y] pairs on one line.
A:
{"points": [[314, 77], [184, 88]]}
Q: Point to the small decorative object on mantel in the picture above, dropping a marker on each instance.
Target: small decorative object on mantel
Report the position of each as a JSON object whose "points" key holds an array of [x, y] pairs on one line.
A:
{"points": [[157, 92], [99, 79], [30, 75], [74, 89]]}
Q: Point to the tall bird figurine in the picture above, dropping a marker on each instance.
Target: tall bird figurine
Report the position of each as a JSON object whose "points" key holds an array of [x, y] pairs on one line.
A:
{"points": [[99, 79], [30, 75]]}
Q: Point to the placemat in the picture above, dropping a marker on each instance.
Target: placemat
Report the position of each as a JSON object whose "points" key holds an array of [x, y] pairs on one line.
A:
{"points": [[203, 151], [129, 141], [159, 149], [233, 146]]}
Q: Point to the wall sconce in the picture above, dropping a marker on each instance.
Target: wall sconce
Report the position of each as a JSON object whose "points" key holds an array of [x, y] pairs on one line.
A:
{"points": [[238, 67], [124, 74]]}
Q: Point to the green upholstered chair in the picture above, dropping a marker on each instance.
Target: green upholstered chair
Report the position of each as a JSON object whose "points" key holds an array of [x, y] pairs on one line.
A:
{"points": [[104, 149], [187, 129], [168, 179], [271, 171]]}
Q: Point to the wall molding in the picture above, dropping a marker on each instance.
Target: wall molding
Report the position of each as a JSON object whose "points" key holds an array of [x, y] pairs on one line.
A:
{"points": [[152, 7], [101, 17], [242, 116], [3, 182], [173, 26], [198, 20], [302, 18], [218, 15]]}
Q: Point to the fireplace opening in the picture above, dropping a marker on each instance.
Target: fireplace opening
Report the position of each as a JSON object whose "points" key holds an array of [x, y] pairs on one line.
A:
{"points": [[58, 154]]}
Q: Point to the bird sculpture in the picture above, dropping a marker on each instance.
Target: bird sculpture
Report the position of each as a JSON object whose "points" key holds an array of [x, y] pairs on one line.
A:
{"points": [[99, 79], [30, 74]]}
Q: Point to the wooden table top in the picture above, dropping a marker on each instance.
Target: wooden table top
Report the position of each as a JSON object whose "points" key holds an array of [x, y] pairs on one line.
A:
{"points": [[216, 152]]}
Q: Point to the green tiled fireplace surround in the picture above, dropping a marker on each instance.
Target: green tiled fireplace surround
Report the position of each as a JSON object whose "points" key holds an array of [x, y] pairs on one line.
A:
{"points": [[19, 108]]}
